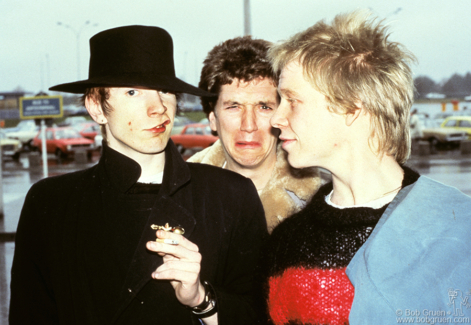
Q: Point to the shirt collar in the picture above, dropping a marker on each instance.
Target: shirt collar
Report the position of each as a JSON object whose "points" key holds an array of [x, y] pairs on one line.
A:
{"points": [[123, 172]]}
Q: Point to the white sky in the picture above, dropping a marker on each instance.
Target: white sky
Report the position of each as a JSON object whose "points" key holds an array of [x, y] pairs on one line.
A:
{"points": [[36, 53]]}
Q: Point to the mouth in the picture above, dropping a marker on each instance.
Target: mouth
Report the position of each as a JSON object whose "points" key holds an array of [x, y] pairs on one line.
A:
{"points": [[159, 128], [286, 141], [248, 144]]}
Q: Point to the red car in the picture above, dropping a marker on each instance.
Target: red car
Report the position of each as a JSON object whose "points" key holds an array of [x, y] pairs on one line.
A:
{"points": [[88, 130], [63, 141], [194, 136]]}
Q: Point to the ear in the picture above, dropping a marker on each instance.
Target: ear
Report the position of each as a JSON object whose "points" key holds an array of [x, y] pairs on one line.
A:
{"points": [[212, 121], [351, 117], [95, 110]]}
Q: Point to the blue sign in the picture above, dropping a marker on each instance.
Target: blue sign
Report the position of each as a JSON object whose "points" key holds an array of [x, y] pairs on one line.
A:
{"points": [[41, 107]]}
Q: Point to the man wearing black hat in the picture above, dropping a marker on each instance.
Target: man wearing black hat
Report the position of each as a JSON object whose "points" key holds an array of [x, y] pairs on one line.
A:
{"points": [[86, 250]]}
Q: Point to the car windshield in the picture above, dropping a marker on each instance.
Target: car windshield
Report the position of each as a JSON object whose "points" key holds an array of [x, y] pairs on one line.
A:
{"points": [[67, 134]]}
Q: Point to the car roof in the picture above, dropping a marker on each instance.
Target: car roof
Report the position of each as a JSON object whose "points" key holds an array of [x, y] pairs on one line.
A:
{"points": [[57, 128], [197, 125]]}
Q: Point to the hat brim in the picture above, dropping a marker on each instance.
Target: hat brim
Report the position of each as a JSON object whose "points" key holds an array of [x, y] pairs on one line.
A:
{"points": [[168, 83]]}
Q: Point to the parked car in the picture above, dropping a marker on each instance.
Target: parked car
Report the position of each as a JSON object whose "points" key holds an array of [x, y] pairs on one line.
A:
{"points": [[438, 136], [25, 131], [73, 120], [440, 117], [88, 130], [458, 123], [21, 125], [10, 147], [179, 123], [194, 136], [72, 110], [97, 141], [64, 141]]}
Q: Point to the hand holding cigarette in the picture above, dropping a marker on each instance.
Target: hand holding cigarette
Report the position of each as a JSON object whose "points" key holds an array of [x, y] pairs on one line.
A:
{"points": [[181, 265]]}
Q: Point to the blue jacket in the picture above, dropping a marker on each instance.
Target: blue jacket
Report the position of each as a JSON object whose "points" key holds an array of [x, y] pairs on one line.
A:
{"points": [[417, 262]]}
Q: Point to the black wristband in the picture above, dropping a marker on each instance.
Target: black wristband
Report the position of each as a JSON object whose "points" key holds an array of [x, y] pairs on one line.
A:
{"points": [[202, 310]]}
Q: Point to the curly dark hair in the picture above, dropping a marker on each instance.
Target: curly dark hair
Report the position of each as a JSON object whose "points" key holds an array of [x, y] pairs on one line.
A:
{"points": [[243, 58]]}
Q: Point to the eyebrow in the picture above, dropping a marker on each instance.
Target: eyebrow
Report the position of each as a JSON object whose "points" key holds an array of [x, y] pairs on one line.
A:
{"points": [[261, 102], [230, 102], [287, 92]]}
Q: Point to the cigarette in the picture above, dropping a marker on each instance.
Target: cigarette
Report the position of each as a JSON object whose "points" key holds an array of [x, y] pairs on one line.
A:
{"points": [[167, 241]]}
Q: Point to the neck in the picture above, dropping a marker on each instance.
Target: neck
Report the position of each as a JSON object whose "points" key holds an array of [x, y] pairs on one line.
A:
{"points": [[260, 174], [150, 164], [365, 179]]}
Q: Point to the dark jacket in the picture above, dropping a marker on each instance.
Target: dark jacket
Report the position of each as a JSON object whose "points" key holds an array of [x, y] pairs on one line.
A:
{"points": [[80, 254]]}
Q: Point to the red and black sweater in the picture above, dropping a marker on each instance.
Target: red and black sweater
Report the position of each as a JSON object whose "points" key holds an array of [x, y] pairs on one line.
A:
{"points": [[306, 257]]}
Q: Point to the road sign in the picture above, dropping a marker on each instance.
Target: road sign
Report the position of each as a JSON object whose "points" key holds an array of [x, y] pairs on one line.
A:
{"points": [[41, 107]]}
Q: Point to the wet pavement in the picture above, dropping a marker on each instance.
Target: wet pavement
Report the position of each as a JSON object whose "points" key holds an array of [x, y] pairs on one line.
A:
{"points": [[448, 167]]}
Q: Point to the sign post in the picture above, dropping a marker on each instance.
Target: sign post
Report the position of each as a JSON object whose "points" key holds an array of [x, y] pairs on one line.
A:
{"points": [[41, 107], [1, 186]]}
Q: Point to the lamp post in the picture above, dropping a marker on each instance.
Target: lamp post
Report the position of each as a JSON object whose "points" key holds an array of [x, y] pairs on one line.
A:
{"points": [[77, 36], [247, 27]]}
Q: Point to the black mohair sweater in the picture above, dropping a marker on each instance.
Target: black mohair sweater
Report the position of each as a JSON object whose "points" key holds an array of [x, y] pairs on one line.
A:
{"points": [[306, 257]]}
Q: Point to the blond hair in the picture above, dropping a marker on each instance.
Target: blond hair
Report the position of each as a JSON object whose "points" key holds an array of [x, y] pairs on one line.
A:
{"points": [[352, 62]]}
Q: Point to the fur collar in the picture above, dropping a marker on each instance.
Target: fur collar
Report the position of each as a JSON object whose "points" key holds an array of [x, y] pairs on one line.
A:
{"points": [[276, 201]]}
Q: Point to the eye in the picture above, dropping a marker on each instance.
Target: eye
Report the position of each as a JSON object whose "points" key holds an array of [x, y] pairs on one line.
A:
{"points": [[132, 92], [265, 107]]}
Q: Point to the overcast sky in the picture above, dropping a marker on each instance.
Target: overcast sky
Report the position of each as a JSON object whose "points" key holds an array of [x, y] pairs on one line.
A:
{"points": [[36, 53]]}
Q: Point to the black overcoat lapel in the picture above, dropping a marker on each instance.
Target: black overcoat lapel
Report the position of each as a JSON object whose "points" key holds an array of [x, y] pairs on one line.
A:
{"points": [[174, 206]]}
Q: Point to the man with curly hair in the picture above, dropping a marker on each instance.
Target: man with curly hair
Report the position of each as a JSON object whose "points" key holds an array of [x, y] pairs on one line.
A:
{"points": [[239, 72]]}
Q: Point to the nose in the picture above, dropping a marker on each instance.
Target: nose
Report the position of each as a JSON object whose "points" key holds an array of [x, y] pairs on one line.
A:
{"points": [[278, 119], [156, 106], [249, 120]]}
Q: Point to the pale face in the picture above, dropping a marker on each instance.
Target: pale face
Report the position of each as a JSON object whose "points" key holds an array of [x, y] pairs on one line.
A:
{"points": [[140, 121], [311, 134], [242, 120]]}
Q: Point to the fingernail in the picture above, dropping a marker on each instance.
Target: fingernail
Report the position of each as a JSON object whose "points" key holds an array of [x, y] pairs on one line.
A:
{"points": [[155, 275]]}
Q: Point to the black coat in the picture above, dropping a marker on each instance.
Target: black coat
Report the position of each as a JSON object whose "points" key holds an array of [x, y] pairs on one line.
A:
{"points": [[80, 254]]}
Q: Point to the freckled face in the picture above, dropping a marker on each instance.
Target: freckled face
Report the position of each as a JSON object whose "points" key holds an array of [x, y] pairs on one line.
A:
{"points": [[140, 120], [242, 119]]}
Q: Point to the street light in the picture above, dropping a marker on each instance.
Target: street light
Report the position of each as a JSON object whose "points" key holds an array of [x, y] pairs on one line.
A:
{"points": [[77, 36], [247, 27]]}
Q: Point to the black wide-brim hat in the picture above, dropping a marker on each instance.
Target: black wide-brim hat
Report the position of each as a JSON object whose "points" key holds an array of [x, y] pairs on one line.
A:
{"points": [[132, 56]]}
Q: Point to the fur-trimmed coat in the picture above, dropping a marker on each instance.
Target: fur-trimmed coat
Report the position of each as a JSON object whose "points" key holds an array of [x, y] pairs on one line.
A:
{"points": [[275, 197]]}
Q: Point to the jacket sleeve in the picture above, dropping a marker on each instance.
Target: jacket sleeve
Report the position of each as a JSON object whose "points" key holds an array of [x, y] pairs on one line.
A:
{"points": [[32, 299], [239, 300]]}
